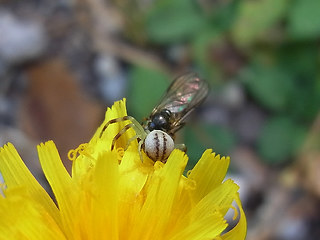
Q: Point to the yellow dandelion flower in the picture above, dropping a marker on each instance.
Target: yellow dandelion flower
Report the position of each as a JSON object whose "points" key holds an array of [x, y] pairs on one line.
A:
{"points": [[113, 195]]}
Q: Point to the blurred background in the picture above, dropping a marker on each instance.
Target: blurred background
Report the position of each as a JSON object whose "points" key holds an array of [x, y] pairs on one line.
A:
{"points": [[62, 63]]}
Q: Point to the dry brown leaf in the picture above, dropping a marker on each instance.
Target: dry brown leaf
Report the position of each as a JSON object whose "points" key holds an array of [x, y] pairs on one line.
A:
{"points": [[57, 108]]}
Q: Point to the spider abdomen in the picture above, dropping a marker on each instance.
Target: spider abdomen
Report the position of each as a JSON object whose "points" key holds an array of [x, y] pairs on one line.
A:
{"points": [[158, 145]]}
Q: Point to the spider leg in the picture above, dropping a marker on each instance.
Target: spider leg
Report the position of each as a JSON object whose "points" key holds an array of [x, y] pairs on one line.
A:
{"points": [[119, 134], [120, 119], [130, 140], [139, 149], [139, 144], [181, 147], [140, 132], [136, 125]]}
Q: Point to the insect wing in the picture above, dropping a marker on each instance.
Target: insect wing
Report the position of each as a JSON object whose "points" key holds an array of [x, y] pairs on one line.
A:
{"points": [[183, 95]]}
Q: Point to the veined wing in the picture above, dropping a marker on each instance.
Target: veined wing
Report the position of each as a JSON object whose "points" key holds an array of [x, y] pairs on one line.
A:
{"points": [[183, 95]]}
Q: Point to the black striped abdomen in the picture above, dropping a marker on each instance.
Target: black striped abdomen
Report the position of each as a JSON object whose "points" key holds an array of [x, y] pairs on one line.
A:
{"points": [[158, 145]]}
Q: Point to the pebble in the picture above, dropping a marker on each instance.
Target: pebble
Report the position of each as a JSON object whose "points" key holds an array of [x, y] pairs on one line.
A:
{"points": [[21, 39], [111, 79]]}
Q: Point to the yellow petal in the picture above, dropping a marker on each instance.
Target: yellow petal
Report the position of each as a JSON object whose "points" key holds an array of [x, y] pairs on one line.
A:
{"points": [[106, 196], [239, 232], [205, 229], [134, 174], [24, 218], [219, 199], [152, 220], [117, 110], [208, 173], [61, 184], [16, 174], [98, 145], [133, 177]]}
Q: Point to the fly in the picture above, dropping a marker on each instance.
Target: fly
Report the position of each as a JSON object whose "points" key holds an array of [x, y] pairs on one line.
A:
{"points": [[156, 134]]}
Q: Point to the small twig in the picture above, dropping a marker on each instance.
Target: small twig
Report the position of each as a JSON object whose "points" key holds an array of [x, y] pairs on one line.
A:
{"points": [[102, 29]]}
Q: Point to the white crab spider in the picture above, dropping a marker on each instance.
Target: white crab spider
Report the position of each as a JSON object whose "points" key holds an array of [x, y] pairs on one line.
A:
{"points": [[157, 144]]}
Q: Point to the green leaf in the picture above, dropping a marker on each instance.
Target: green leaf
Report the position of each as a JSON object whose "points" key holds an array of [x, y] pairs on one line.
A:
{"points": [[304, 19], [218, 138], [255, 17], [146, 88], [201, 52], [223, 14], [270, 85], [301, 60], [305, 101], [195, 146], [280, 139], [174, 21], [223, 140]]}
